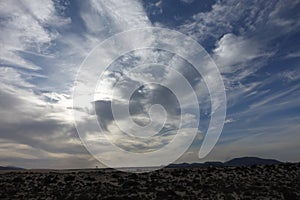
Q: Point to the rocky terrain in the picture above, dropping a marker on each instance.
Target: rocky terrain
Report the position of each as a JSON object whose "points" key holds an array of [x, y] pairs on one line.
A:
{"points": [[280, 181]]}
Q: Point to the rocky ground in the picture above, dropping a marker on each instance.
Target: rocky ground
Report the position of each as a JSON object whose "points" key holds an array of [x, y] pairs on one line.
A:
{"points": [[256, 182]]}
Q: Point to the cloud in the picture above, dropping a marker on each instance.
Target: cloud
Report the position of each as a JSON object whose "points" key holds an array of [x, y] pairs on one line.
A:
{"points": [[44, 43], [232, 50], [24, 28], [187, 1], [41, 49], [293, 55], [243, 18], [246, 41], [291, 75], [113, 16], [229, 120], [38, 68], [240, 34]]}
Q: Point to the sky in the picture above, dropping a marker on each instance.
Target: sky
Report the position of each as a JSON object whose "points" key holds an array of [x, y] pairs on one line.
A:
{"points": [[255, 45]]}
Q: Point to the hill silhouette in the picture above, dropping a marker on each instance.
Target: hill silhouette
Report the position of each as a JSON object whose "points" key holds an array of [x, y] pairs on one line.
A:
{"points": [[242, 161]]}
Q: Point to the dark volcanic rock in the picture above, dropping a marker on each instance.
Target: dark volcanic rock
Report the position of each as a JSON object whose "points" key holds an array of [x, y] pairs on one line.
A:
{"points": [[281, 181]]}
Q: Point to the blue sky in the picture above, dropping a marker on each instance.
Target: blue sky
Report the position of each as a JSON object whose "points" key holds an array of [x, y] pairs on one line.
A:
{"points": [[255, 44]]}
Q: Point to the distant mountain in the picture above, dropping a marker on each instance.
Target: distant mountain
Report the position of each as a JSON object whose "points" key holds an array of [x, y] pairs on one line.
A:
{"points": [[10, 168], [243, 161], [195, 165], [248, 161]]}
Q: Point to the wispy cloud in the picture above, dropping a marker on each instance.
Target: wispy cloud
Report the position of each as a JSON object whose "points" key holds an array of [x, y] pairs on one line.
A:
{"points": [[43, 44], [40, 52], [245, 39]]}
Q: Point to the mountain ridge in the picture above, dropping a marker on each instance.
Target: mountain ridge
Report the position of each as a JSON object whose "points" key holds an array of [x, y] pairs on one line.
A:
{"points": [[10, 168], [241, 161]]}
